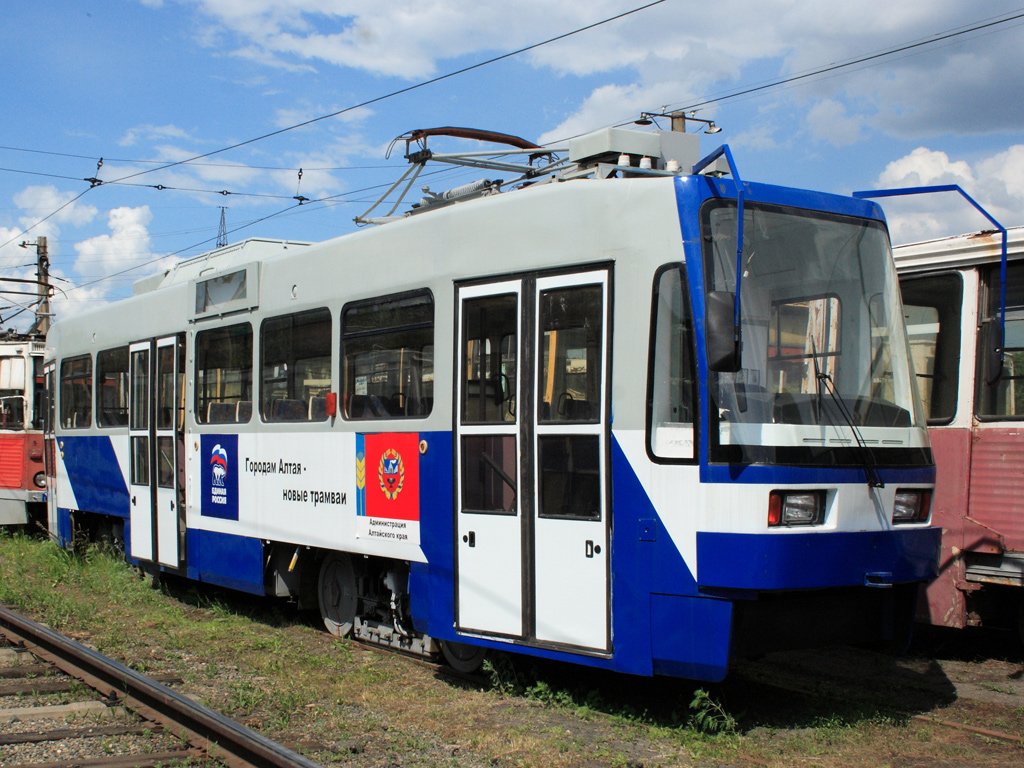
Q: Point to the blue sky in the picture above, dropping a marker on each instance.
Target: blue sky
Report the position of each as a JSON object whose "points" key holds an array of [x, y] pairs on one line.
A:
{"points": [[140, 81]]}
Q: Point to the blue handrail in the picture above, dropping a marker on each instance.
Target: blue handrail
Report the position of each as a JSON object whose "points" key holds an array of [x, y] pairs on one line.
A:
{"points": [[955, 188], [700, 166]]}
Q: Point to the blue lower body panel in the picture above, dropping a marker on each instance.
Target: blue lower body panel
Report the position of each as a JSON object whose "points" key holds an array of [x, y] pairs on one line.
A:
{"points": [[756, 561], [690, 636], [229, 561]]}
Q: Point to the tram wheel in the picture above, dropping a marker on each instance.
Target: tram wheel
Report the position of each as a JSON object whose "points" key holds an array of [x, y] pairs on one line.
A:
{"points": [[463, 658], [337, 593]]}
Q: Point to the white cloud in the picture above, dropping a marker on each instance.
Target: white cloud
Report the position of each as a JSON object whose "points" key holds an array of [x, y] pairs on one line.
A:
{"points": [[150, 133], [926, 167], [994, 182], [829, 121], [40, 201], [100, 259], [673, 53], [127, 245]]}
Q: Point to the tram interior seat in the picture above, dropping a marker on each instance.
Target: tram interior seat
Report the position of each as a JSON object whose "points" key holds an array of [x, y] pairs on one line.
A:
{"points": [[220, 413], [115, 417], [289, 410], [367, 407], [243, 411], [317, 408]]}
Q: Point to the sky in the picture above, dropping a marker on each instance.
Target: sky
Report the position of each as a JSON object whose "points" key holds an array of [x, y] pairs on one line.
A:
{"points": [[828, 95]]}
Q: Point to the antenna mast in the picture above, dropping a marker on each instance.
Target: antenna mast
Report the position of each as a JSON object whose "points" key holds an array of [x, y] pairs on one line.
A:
{"points": [[222, 232]]}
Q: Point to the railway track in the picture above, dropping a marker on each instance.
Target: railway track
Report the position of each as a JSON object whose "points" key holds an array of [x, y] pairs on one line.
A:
{"points": [[151, 724]]}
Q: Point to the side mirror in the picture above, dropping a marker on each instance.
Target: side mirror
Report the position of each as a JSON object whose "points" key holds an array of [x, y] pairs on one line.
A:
{"points": [[721, 336]]}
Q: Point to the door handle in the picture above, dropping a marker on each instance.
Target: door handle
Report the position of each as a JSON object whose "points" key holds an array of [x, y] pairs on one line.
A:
{"points": [[592, 548], [470, 538], [133, 501]]}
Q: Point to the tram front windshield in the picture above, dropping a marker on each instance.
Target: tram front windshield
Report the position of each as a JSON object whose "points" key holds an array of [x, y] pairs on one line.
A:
{"points": [[824, 373]]}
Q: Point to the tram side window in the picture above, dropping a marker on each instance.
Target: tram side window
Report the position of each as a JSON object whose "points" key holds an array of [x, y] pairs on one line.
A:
{"points": [[931, 308], [388, 357], [224, 375], [112, 388], [76, 393], [1001, 387], [672, 398], [295, 357]]}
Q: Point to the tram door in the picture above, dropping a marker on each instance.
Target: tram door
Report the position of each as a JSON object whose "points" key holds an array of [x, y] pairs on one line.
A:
{"points": [[50, 445], [490, 528], [154, 429], [532, 528]]}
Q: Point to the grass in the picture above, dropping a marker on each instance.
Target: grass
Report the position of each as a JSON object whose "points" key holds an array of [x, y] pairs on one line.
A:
{"points": [[262, 662]]}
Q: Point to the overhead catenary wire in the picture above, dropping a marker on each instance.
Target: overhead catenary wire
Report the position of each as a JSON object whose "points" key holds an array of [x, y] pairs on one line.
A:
{"points": [[97, 182], [853, 62], [401, 91], [734, 94]]}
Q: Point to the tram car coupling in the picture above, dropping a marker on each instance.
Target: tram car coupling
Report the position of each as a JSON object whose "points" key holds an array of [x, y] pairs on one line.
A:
{"points": [[619, 407]]}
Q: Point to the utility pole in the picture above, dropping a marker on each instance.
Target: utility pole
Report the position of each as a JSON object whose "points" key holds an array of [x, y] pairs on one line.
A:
{"points": [[43, 315]]}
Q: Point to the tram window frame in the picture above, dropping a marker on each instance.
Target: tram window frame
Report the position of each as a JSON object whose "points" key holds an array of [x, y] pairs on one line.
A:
{"points": [[991, 399], [672, 356], [375, 330], [939, 382], [204, 348], [296, 401], [74, 408], [108, 417]]}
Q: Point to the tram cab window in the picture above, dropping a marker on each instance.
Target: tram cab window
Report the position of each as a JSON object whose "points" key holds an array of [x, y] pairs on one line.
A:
{"points": [[295, 360], [13, 380], [224, 374], [388, 357], [1001, 381], [931, 307], [76, 392], [112, 388], [672, 389]]}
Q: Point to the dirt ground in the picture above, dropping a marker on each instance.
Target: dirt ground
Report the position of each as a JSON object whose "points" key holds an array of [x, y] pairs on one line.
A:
{"points": [[956, 699]]}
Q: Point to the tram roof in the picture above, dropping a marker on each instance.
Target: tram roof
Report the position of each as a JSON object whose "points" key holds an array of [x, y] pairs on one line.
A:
{"points": [[970, 248], [247, 251]]}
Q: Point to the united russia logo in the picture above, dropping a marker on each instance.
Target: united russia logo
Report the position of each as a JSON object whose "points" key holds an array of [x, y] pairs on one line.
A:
{"points": [[219, 465], [219, 482]]}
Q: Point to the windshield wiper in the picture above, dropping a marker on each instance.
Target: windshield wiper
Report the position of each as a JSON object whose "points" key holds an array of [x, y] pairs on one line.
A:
{"points": [[867, 458]]}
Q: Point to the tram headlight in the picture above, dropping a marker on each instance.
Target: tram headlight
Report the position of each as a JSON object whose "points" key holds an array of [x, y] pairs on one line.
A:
{"points": [[796, 508], [912, 505], [39, 480]]}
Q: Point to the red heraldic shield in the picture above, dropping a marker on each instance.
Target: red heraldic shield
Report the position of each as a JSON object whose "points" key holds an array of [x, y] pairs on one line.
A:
{"points": [[393, 476]]}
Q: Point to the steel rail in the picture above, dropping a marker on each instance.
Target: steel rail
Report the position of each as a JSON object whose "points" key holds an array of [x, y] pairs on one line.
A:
{"points": [[221, 737]]}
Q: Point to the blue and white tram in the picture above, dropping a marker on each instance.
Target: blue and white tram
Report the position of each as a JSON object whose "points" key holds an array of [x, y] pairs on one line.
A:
{"points": [[537, 421]]}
